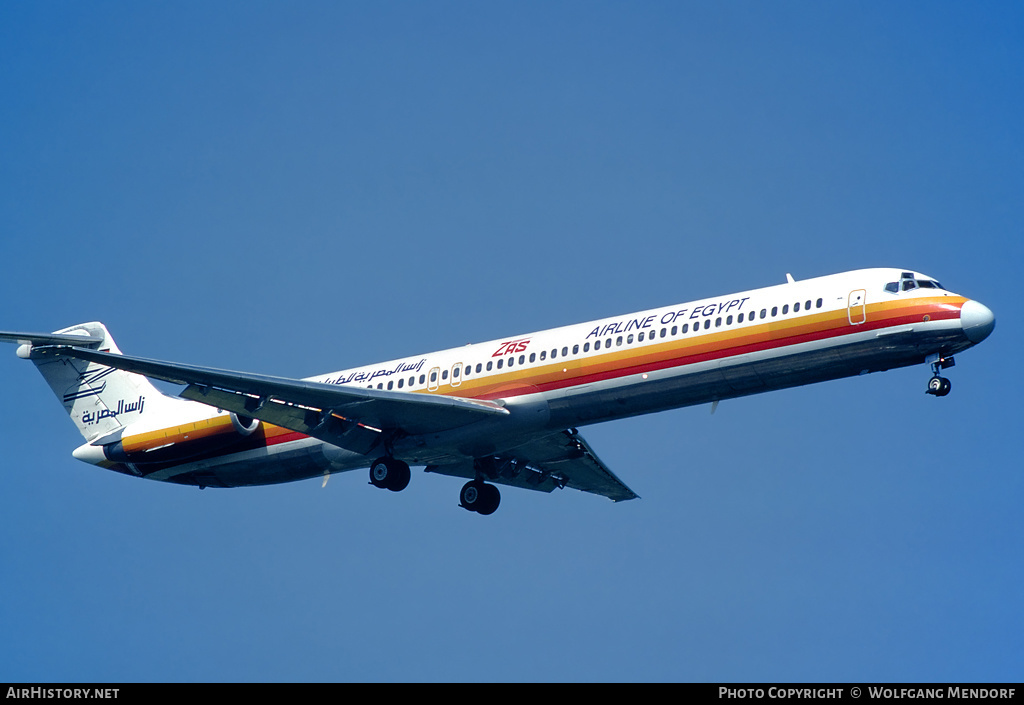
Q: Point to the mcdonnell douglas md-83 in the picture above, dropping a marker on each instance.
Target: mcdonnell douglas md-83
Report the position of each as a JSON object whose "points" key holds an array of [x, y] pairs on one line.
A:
{"points": [[502, 412]]}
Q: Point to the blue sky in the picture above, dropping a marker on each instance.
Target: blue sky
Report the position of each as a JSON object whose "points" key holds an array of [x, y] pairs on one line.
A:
{"points": [[298, 189]]}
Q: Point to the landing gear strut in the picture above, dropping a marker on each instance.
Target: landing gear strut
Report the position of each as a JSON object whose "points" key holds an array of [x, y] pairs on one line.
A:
{"points": [[479, 497], [939, 386], [391, 474]]}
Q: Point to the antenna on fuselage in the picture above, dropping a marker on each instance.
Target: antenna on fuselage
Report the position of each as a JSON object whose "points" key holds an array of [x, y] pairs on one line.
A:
{"points": [[790, 279]]}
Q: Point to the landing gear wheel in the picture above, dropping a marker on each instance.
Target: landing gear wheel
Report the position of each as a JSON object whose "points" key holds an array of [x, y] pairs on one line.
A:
{"points": [[939, 386], [390, 474], [479, 497]]}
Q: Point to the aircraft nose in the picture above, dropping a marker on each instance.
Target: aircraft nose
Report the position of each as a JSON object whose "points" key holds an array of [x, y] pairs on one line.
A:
{"points": [[977, 321]]}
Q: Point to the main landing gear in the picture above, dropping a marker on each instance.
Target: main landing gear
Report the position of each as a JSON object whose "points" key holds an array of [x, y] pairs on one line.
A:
{"points": [[389, 473], [479, 497], [939, 386]]}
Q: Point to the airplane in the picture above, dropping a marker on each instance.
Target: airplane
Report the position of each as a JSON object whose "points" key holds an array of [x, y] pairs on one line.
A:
{"points": [[503, 412]]}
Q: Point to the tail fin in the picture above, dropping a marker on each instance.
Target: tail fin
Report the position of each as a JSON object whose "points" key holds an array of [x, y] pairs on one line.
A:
{"points": [[100, 400]]}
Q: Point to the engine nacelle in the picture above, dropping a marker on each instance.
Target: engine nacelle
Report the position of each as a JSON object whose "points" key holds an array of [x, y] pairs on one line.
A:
{"points": [[245, 425]]}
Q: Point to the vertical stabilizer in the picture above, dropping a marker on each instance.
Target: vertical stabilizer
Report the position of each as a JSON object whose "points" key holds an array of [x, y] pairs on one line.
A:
{"points": [[100, 400]]}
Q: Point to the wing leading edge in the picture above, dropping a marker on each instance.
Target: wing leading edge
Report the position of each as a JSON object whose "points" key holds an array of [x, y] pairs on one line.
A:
{"points": [[350, 417]]}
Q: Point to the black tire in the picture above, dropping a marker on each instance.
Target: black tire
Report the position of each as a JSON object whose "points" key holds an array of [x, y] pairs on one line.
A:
{"points": [[471, 495], [390, 474], [400, 476], [491, 500], [479, 497], [380, 472]]}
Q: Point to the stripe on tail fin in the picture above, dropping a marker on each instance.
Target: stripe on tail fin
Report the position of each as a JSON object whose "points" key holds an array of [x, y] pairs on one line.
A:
{"points": [[100, 400]]}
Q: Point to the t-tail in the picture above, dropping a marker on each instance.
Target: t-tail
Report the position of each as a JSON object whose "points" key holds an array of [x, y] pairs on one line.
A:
{"points": [[100, 400]]}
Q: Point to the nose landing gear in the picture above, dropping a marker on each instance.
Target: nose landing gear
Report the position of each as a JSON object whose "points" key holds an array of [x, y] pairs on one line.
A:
{"points": [[939, 386]]}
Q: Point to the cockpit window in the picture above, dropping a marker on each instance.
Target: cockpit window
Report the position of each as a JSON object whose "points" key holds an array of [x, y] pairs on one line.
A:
{"points": [[907, 282]]}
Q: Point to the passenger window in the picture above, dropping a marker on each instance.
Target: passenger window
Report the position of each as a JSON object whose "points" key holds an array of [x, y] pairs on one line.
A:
{"points": [[674, 329], [391, 385], [664, 332], [511, 361], [533, 357], [500, 361], [629, 339], [728, 320], [586, 347], [764, 312], [618, 341], [785, 309], [818, 303], [543, 355], [796, 307], [422, 380], [575, 349], [707, 324], [807, 305], [775, 311], [522, 359], [444, 375], [478, 368], [640, 337], [401, 383], [565, 351], [686, 328], [489, 363], [718, 322], [433, 376]]}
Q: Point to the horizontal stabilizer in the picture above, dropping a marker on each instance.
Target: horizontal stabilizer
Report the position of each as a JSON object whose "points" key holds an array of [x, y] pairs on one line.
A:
{"points": [[49, 338]]}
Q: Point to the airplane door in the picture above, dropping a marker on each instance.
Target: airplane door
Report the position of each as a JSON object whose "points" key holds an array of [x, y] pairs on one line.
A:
{"points": [[456, 374], [432, 381], [856, 309]]}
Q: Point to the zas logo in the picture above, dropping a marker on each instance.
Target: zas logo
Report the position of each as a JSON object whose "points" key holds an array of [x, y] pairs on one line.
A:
{"points": [[512, 347]]}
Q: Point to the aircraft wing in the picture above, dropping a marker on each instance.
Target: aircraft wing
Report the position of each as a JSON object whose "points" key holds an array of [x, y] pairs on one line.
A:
{"points": [[559, 460], [350, 417]]}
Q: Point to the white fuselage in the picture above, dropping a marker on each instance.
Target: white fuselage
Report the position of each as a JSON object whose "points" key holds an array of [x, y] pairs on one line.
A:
{"points": [[692, 353]]}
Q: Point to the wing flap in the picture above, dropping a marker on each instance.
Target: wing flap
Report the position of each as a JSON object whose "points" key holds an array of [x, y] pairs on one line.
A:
{"points": [[317, 423]]}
